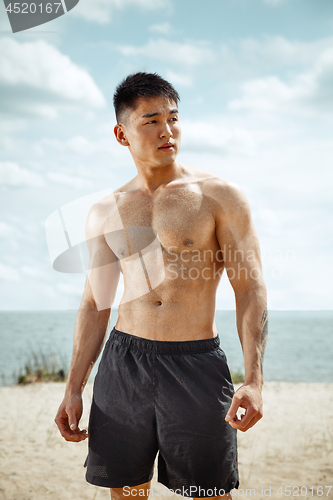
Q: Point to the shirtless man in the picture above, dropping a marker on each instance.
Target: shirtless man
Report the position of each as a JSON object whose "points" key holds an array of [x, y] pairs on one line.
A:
{"points": [[163, 383]]}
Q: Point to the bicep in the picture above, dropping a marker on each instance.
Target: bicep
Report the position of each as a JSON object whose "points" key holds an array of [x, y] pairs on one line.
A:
{"points": [[103, 270], [239, 244]]}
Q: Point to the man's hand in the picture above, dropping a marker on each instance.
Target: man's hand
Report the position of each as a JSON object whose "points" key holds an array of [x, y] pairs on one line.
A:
{"points": [[68, 417], [247, 397]]}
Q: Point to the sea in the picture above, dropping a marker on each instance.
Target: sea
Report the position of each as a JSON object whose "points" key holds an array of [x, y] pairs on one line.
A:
{"points": [[299, 347]]}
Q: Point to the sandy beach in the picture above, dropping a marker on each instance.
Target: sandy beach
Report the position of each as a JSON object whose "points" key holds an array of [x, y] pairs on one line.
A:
{"points": [[288, 453]]}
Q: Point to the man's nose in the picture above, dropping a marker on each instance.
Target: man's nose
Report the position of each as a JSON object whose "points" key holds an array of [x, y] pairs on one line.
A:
{"points": [[166, 131]]}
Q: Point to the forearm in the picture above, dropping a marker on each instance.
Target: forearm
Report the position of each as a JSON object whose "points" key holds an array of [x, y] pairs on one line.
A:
{"points": [[90, 332], [252, 325]]}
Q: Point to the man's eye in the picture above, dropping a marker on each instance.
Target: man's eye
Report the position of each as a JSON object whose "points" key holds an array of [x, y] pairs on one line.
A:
{"points": [[174, 119], [152, 121]]}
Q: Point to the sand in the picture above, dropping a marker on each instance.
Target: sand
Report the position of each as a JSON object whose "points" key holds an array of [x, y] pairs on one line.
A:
{"points": [[290, 448]]}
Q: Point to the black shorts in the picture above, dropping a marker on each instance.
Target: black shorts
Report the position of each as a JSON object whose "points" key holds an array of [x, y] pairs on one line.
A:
{"points": [[167, 397]]}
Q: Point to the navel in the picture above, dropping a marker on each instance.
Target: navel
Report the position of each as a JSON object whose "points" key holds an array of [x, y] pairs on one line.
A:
{"points": [[159, 303]]}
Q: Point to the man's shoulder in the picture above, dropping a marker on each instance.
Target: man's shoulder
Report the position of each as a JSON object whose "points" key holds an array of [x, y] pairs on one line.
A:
{"points": [[104, 206], [104, 211], [225, 195], [101, 208], [227, 200], [221, 189]]}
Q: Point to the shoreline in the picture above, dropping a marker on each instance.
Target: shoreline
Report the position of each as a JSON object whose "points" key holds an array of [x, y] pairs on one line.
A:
{"points": [[292, 446]]}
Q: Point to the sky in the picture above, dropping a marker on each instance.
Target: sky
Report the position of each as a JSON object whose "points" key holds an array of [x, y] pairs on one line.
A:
{"points": [[256, 84]]}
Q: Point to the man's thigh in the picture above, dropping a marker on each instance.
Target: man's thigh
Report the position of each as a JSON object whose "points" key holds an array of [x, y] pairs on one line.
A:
{"points": [[128, 493], [197, 447], [122, 429]]}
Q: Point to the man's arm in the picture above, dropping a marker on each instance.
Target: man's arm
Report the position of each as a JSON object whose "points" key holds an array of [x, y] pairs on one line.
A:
{"points": [[91, 326], [240, 247]]}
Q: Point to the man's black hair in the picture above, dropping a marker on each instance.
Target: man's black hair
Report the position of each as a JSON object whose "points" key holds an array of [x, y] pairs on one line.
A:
{"points": [[141, 85]]}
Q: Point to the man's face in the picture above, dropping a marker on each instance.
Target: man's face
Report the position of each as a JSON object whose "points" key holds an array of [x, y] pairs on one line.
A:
{"points": [[152, 132]]}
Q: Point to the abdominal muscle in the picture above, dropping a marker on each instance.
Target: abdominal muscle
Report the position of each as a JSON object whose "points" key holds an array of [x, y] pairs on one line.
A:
{"points": [[180, 308]]}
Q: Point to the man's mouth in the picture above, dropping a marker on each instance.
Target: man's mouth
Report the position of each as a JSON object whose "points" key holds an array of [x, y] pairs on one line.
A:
{"points": [[166, 147]]}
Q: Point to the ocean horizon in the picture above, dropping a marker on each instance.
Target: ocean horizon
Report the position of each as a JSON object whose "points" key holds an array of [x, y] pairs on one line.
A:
{"points": [[299, 347]]}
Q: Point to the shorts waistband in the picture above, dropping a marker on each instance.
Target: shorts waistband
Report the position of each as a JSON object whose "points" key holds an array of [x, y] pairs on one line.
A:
{"points": [[164, 346]]}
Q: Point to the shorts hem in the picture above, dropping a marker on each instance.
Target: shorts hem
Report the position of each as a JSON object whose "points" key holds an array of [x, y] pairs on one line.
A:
{"points": [[106, 483]]}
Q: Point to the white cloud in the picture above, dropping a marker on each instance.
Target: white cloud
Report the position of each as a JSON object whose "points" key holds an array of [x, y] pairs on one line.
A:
{"points": [[278, 52], [179, 79], [11, 175], [69, 289], [32, 79], [185, 54], [268, 220], [8, 273], [84, 147], [309, 93], [4, 21], [246, 58], [214, 137], [6, 231], [163, 29], [100, 11], [80, 146], [11, 240], [68, 180], [35, 272]]}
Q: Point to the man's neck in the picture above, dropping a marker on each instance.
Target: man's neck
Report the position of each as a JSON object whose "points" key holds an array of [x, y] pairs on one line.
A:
{"points": [[151, 178]]}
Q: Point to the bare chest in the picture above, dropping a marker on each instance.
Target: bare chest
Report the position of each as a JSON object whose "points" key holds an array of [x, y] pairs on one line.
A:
{"points": [[179, 218]]}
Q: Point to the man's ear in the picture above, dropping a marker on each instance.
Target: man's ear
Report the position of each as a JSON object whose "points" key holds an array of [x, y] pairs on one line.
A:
{"points": [[119, 132]]}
